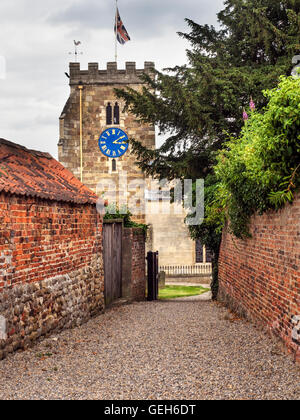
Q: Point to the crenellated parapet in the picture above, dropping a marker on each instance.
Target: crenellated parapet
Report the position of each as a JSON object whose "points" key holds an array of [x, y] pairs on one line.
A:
{"points": [[112, 75]]}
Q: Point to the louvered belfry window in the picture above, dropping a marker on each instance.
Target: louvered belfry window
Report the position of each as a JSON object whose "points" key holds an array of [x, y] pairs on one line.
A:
{"points": [[112, 114], [109, 114], [116, 114]]}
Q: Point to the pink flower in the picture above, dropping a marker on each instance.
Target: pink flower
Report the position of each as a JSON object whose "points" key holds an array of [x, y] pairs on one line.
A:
{"points": [[245, 115], [252, 105]]}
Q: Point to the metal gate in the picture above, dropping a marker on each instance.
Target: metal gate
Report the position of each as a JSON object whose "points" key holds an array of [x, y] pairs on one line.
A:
{"points": [[112, 256], [152, 268]]}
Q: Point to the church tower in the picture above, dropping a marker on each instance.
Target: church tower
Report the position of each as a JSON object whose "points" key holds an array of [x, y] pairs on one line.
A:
{"points": [[91, 109]]}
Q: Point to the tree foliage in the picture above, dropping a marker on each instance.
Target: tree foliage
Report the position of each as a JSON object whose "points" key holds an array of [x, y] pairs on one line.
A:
{"points": [[261, 169], [199, 106]]}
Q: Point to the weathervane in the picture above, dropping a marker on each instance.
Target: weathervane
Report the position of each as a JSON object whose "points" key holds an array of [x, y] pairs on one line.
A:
{"points": [[76, 53]]}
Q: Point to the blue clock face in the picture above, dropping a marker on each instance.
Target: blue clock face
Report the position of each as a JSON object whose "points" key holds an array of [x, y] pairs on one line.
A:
{"points": [[113, 142]]}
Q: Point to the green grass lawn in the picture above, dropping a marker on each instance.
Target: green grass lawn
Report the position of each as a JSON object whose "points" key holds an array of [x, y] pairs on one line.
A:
{"points": [[172, 292]]}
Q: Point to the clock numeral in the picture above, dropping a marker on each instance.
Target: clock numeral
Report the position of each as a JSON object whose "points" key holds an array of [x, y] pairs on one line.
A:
{"points": [[113, 132], [108, 133], [123, 147], [102, 142], [108, 151], [114, 154], [104, 147]]}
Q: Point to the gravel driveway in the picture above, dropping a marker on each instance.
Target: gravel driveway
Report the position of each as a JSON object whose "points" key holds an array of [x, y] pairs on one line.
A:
{"points": [[154, 350]]}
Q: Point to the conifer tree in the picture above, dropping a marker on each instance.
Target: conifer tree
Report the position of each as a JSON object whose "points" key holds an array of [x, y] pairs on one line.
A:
{"points": [[199, 105]]}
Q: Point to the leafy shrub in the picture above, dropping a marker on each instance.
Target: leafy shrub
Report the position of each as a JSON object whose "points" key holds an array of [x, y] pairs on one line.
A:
{"points": [[113, 212], [261, 169]]}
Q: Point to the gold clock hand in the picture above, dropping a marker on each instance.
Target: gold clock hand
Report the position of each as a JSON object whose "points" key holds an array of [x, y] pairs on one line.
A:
{"points": [[116, 141]]}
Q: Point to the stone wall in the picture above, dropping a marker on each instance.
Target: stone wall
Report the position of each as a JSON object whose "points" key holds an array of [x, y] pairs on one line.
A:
{"points": [[51, 268], [134, 264], [260, 277], [169, 234]]}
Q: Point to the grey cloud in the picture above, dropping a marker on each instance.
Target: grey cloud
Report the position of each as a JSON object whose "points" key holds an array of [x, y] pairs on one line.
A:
{"points": [[148, 18], [18, 11], [36, 37]]}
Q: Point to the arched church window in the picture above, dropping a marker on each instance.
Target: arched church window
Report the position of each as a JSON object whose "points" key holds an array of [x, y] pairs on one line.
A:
{"points": [[203, 253], [116, 114], [209, 255], [114, 165], [109, 114], [199, 251]]}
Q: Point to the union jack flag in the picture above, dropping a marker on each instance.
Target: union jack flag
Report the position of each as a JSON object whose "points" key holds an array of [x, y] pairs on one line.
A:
{"points": [[120, 30]]}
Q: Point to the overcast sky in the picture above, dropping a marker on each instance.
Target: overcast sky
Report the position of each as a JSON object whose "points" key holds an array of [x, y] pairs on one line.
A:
{"points": [[36, 37]]}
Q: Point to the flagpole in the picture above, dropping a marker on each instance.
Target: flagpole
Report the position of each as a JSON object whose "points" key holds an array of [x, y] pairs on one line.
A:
{"points": [[116, 38]]}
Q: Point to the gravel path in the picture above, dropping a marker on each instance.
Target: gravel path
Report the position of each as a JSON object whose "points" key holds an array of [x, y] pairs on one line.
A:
{"points": [[154, 350]]}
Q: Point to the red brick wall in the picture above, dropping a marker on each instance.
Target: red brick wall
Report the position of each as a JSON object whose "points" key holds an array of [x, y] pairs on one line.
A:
{"points": [[41, 239], [260, 277], [138, 279], [51, 268]]}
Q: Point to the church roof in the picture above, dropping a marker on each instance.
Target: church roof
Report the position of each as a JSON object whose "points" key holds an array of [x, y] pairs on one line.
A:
{"points": [[37, 174]]}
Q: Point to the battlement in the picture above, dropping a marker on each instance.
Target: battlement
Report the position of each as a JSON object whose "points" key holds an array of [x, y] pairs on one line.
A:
{"points": [[112, 75]]}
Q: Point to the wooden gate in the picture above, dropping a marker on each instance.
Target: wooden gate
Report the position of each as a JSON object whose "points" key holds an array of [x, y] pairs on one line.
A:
{"points": [[112, 255]]}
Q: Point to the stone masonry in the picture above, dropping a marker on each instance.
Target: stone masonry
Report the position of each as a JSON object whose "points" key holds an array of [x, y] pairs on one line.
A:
{"points": [[98, 91], [167, 232], [51, 263], [51, 268]]}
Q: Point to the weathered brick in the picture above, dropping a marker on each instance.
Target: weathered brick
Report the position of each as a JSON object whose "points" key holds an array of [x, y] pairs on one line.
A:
{"points": [[55, 272], [260, 277]]}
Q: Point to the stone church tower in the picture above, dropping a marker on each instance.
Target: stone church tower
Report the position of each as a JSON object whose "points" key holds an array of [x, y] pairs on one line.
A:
{"points": [[92, 107], [101, 110]]}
